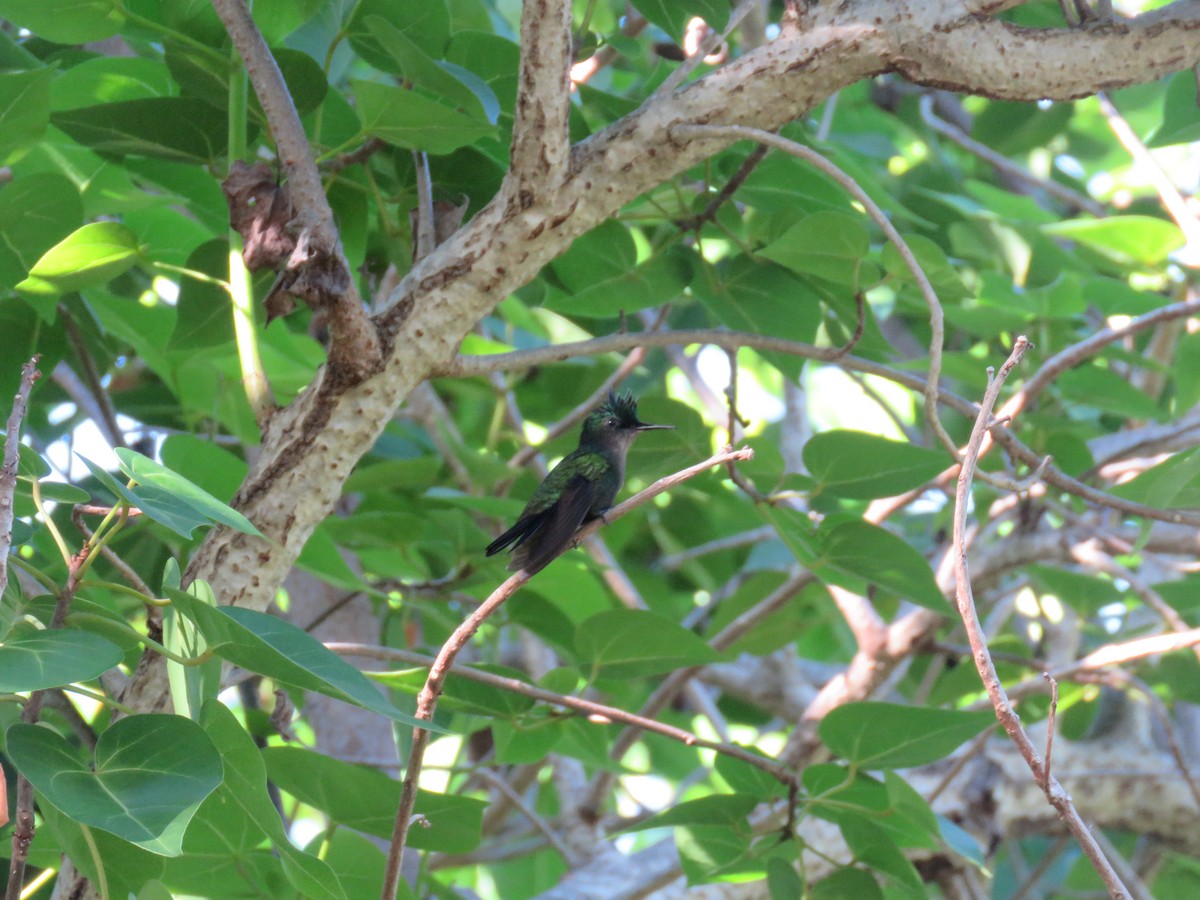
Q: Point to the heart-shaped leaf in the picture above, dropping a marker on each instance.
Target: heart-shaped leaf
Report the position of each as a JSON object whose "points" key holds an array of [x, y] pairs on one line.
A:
{"points": [[894, 736], [246, 784], [270, 646], [630, 643], [31, 660], [150, 774]]}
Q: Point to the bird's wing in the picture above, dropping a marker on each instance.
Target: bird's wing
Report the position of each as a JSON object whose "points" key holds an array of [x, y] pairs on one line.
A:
{"points": [[556, 527]]}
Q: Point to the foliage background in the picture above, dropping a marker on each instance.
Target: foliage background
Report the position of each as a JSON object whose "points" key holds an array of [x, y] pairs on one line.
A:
{"points": [[759, 606]]}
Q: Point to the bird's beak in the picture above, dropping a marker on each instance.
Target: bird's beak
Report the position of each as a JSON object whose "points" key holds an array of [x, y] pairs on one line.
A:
{"points": [[642, 426]]}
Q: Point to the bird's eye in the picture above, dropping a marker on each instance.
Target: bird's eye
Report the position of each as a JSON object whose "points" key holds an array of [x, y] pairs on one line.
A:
{"points": [[611, 423]]}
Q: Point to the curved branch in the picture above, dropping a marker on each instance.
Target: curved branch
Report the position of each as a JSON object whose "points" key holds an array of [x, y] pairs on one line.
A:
{"points": [[354, 348]]}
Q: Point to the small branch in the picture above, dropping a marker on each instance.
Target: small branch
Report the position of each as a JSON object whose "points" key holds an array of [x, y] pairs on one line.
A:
{"points": [[812, 157], [23, 820], [1055, 793], [91, 377], [1088, 554], [8, 474], [582, 72], [126, 570], [579, 413], [1050, 726], [435, 682], [736, 180]]}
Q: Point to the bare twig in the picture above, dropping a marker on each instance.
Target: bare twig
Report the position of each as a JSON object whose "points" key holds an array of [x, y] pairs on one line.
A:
{"points": [[1051, 722], [435, 682], [736, 180], [707, 46], [1055, 793], [529, 813], [1088, 554], [815, 159], [127, 571], [8, 475], [426, 706]]}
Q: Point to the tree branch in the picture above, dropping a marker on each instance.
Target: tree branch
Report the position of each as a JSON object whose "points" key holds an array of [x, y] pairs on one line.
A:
{"points": [[8, 474], [354, 349], [1054, 791]]}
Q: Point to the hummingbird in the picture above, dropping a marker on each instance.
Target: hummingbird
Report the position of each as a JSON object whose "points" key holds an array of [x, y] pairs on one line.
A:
{"points": [[580, 488]]}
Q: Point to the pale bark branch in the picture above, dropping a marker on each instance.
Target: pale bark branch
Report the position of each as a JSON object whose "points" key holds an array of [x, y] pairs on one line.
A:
{"points": [[8, 474], [1055, 793], [541, 143]]}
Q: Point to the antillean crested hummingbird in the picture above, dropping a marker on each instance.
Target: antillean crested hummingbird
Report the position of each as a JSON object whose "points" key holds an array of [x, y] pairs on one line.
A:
{"points": [[580, 488]]}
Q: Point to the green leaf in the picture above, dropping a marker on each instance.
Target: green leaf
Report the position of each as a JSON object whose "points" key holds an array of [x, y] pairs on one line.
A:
{"points": [[1179, 123], [270, 646], [441, 81], [202, 309], [784, 882], [630, 643], [363, 798], [719, 809], [747, 779], [658, 280], [427, 22], [864, 466], [874, 555], [191, 685], [147, 473], [36, 212], [166, 497], [830, 245], [946, 282], [24, 111], [872, 845], [1099, 387], [765, 298], [246, 781], [893, 736], [1127, 240], [1172, 484], [414, 121], [32, 659], [126, 866], [847, 882], [179, 129], [150, 774], [672, 16], [92, 255], [65, 21]]}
